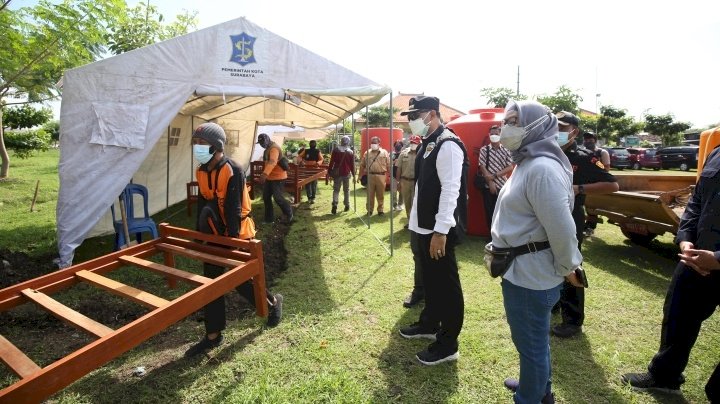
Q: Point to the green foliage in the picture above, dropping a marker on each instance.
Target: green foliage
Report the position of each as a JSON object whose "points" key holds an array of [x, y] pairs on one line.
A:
{"points": [[564, 99], [378, 116], [23, 143], [665, 127], [613, 123], [499, 97], [25, 116], [53, 128], [142, 25]]}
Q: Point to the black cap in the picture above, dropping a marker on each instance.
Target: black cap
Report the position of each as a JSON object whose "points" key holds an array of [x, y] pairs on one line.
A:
{"points": [[422, 103], [494, 127], [566, 118], [588, 135]]}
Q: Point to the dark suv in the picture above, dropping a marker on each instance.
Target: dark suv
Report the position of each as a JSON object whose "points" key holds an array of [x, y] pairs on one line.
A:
{"points": [[619, 157], [682, 157], [643, 158]]}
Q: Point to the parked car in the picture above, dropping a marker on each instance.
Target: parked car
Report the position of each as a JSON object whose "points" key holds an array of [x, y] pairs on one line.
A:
{"points": [[619, 157], [643, 158], [682, 157]]}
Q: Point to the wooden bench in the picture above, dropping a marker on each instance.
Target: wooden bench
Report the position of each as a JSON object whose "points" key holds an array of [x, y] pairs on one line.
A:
{"points": [[297, 178], [244, 260]]}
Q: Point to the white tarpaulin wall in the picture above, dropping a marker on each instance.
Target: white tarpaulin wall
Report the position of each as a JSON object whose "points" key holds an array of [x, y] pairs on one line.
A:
{"points": [[131, 116]]}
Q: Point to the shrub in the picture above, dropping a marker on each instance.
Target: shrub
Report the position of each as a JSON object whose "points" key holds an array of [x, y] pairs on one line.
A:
{"points": [[24, 142]]}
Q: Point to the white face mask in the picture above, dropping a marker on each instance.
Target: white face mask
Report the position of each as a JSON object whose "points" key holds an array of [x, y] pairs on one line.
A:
{"points": [[563, 138], [512, 136], [375, 146], [494, 138], [202, 153], [419, 127], [413, 146]]}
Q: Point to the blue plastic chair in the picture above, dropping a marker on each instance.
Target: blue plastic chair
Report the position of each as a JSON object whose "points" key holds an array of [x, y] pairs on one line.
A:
{"points": [[136, 225]]}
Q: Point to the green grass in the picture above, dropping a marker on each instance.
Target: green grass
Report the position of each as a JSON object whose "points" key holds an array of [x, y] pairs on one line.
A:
{"points": [[338, 341]]}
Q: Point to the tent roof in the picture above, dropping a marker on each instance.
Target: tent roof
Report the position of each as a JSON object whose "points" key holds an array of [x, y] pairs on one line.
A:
{"points": [[114, 110]]}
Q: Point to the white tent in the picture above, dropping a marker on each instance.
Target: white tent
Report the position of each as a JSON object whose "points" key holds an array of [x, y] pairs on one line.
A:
{"points": [[131, 116]]}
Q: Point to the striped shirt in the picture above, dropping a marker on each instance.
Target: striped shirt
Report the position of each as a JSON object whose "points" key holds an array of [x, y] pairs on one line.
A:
{"points": [[499, 159]]}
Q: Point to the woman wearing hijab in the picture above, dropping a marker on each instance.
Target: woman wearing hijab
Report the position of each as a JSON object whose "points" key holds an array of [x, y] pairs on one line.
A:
{"points": [[533, 217]]}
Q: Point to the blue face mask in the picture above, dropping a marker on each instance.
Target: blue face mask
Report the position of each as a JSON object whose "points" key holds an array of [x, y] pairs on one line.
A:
{"points": [[563, 138], [202, 153]]}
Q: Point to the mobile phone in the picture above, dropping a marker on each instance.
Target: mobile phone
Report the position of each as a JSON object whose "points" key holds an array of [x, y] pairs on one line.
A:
{"points": [[580, 272]]}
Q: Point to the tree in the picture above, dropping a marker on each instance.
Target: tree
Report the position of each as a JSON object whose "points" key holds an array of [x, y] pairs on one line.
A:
{"points": [[499, 97], [663, 126], [564, 99], [41, 42], [613, 123], [378, 116], [142, 25], [25, 116]]}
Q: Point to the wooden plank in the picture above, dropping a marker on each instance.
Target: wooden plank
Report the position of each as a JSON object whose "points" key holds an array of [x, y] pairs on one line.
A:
{"points": [[67, 314], [120, 289], [188, 277], [209, 258], [16, 360]]}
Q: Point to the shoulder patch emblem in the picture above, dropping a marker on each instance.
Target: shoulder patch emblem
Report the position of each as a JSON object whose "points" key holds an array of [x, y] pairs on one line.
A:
{"points": [[428, 149]]}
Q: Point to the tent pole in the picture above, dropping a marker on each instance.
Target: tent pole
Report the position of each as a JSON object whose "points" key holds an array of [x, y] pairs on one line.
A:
{"points": [[393, 185], [167, 176]]}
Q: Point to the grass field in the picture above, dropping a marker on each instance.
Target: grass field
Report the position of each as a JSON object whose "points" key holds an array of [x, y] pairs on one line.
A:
{"points": [[338, 341]]}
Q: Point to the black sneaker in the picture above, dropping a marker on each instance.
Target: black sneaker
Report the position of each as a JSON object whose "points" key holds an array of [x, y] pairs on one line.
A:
{"points": [[334, 209], [415, 330], [347, 208], [566, 330], [435, 354], [381, 213], [275, 314], [204, 345], [412, 300], [513, 384], [646, 382]]}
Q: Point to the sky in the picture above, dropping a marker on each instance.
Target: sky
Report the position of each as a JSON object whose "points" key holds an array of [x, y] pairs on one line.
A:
{"points": [[653, 57]]}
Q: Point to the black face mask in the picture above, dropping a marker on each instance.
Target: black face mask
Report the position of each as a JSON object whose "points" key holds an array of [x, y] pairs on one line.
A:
{"points": [[589, 145]]}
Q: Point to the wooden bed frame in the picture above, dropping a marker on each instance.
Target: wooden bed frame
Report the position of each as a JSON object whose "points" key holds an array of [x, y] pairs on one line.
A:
{"points": [[297, 178], [244, 260]]}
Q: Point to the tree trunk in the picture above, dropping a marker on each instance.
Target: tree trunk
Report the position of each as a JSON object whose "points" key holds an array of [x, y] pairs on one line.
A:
{"points": [[3, 151]]}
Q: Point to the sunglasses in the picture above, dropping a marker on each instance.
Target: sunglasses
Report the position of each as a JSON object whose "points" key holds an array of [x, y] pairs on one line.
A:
{"points": [[415, 115]]}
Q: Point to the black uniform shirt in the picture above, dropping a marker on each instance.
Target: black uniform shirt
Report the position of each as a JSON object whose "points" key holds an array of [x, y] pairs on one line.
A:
{"points": [[587, 169], [701, 220]]}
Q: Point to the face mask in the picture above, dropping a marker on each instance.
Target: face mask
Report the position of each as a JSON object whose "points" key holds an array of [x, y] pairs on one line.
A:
{"points": [[563, 138], [494, 138], [512, 136], [418, 126], [413, 147], [202, 153], [375, 146], [589, 145]]}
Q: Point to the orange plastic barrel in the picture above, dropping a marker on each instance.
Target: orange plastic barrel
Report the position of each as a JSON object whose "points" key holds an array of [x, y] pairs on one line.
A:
{"points": [[709, 140], [474, 129]]}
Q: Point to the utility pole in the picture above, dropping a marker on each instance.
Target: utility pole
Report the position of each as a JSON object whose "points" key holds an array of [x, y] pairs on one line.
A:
{"points": [[517, 91]]}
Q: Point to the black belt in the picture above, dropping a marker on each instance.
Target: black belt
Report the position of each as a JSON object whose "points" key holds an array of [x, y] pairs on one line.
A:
{"points": [[382, 173], [524, 249], [408, 178]]}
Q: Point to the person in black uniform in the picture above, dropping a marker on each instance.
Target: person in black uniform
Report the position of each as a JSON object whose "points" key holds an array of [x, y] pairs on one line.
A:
{"points": [[694, 291], [438, 220], [589, 177]]}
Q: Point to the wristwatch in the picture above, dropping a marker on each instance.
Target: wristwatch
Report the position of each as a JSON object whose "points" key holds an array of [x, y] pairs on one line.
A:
{"points": [[581, 189]]}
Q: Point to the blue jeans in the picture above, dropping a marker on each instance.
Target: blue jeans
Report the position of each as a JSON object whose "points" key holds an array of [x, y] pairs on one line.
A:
{"points": [[528, 315]]}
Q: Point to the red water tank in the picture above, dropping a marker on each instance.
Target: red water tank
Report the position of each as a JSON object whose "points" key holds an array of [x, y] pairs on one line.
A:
{"points": [[474, 129]]}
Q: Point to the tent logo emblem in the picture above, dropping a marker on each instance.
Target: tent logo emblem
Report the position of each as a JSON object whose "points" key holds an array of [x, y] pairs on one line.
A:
{"points": [[243, 52]]}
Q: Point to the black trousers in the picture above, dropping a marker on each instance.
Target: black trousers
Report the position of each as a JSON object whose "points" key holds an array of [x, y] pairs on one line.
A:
{"points": [[214, 311], [489, 202], [444, 304], [418, 284], [572, 299], [276, 190], [690, 300]]}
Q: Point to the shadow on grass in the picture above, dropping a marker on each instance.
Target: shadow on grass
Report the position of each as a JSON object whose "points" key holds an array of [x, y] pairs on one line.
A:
{"points": [[641, 266], [407, 379]]}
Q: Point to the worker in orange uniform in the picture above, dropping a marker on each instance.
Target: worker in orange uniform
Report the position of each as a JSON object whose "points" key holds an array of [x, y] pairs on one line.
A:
{"points": [[311, 157], [224, 207], [273, 179]]}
